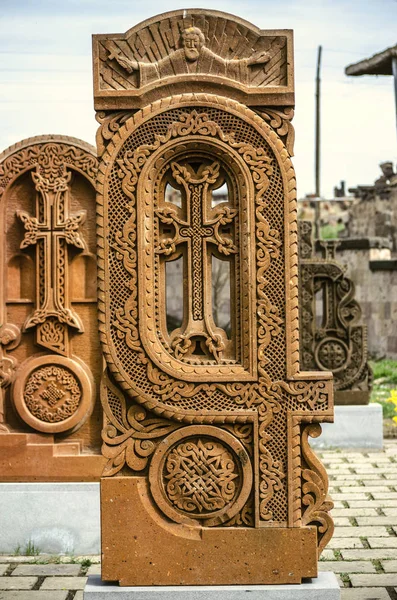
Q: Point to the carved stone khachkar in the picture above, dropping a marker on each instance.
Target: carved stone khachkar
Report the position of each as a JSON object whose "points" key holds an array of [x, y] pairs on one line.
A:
{"points": [[210, 477], [331, 338], [49, 415]]}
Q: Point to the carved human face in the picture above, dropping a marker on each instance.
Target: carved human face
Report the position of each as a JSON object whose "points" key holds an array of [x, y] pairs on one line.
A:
{"points": [[192, 46], [387, 169]]}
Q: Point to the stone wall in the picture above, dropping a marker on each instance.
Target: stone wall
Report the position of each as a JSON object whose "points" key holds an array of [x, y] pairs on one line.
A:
{"points": [[376, 212], [376, 290]]}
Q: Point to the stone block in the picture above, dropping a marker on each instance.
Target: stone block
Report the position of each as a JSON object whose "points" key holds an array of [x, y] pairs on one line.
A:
{"points": [[325, 586], [354, 427]]}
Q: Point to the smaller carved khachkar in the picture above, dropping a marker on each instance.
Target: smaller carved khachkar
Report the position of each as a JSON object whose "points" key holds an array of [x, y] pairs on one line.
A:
{"points": [[47, 291], [332, 340]]}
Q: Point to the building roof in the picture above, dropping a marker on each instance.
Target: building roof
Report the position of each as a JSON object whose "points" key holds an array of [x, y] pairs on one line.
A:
{"points": [[378, 64]]}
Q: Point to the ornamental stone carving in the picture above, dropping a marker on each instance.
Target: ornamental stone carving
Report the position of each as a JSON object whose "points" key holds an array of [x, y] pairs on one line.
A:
{"points": [[48, 302], [332, 338], [206, 421]]}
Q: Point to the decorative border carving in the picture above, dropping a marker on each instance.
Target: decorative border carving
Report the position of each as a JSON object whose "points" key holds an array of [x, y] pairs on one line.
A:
{"points": [[291, 248]]}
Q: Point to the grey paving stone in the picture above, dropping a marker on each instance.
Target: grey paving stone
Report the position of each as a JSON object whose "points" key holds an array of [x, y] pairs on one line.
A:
{"points": [[377, 457], [390, 512], [364, 594], [94, 570], [341, 521], [354, 512], [378, 580], [17, 583], [368, 554], [46, 570], [79, 595], [366, 489], [327, 554], [371, 503], [389, 566], [3, 568], [350, 496], [385, 496], [378, 520], [370, 470], [339, 543], [351, 477], [63, 583], [361, 532], [35, 595], [342, 566], [383, 542]]}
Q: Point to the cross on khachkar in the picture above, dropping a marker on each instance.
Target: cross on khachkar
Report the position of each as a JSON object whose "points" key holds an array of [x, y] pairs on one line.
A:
{"points": [[51, 231], [197, 231]]}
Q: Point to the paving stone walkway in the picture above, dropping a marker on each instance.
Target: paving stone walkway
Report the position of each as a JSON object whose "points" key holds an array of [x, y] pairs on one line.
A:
{"points": [[362, 553]]}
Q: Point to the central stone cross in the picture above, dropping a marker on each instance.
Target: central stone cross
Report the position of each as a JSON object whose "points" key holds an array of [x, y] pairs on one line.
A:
{"points": [[198, 231]]}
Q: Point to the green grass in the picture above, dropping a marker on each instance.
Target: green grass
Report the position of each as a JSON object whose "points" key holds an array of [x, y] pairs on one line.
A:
{"points": [[385, 369], [31, 549], [384, 380]]}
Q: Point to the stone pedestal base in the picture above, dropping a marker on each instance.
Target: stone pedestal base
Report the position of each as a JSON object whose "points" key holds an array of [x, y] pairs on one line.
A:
{"points": [[358, 427], [140, 547], [56, 517], [325, 586]]}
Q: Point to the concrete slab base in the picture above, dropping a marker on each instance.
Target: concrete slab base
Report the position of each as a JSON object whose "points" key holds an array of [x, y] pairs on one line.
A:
{"points": [[358, 427], [58, 518], [325, 586]]}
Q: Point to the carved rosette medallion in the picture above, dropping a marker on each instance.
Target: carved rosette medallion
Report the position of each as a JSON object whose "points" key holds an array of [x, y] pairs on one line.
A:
{"points": [[332, 354], [53, 394], [200, 474]]}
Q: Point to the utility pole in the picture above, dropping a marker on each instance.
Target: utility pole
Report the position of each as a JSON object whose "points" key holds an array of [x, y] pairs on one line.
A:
{"points": [[317, 151], [394, 70]]}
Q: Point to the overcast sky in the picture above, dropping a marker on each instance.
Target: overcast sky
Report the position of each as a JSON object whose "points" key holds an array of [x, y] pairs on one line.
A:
{"points": [[46, 74]]}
